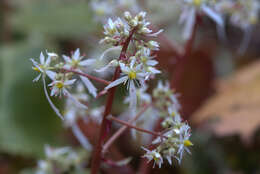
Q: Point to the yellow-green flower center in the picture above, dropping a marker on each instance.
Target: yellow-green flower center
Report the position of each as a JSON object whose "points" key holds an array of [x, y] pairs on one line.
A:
{"points": [[187, 143], [37, 69], [197, 2], [59, 85], [132, 75], [74, 63], [173, 114]]}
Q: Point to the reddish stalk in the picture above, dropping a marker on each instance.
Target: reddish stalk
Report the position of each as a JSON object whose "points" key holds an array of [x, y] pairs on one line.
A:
{"points": [[123, 129], [136, 128], [185, 57], [87, 75], [105, 125]]}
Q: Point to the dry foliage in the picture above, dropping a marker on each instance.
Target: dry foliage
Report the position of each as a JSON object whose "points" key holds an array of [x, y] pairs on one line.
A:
{"points": [[235, 109]]}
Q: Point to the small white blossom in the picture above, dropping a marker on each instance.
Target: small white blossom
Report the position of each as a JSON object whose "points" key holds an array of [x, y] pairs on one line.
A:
{"points": [[153, 155], [43, 67]]}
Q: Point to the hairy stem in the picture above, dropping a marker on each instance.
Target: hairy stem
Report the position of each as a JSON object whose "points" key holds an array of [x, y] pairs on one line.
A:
{"points": [[123, 129], [87, 75], [95, 163]]}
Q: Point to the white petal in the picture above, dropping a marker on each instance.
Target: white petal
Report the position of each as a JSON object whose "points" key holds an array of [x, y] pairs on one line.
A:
{"points": [[69, 82], [52, 54], [54, 91], [91, 88], [72, 98], [213, 15], [66, 58], [51, 74], [132, 63], [124, 68], [116, 82], [189, 24], [37, 78], [154, 70], [151, 62], [81, 137], [108, 50], [76, 54], [56, 110], [42, 58], [87, 62], [48, 61], [156, 33], [36, 64], [132, 95]]}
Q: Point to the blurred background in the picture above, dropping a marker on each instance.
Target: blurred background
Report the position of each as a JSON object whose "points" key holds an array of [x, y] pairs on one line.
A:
{"points": [[219, 87]]}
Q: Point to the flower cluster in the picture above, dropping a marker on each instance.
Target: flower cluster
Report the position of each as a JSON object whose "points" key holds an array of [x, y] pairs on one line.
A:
{"points": [[136, 67], [62, 159], [242, 14], [192, 8], [175, 139]]}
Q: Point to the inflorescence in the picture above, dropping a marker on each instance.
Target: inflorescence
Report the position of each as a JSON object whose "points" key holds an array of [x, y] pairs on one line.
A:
{"points": [[136, 66]]}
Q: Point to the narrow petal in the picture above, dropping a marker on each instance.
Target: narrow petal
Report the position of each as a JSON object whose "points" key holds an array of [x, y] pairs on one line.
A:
{"points": [[189, 24], [42, 58], [81, 137], [156, 33], [69, 82], [76, 54], [72, 98], [87, 62], [213, 15], [132, 95], [124, 68], [66, 58], [151, 62], [56, 110], [116, 82], [36, 64], [51, 74], [37, 78], [48, 61], [54, 91], [108, 50], [91, 88]]}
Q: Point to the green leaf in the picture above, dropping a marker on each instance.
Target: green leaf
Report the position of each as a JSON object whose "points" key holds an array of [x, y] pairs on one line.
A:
{"points": [[26, 120]]}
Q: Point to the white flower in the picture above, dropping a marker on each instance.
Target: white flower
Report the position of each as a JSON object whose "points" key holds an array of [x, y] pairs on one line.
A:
{"points": [[59, 87], [42, 67], [131, 74], [76, 62], [193, 7], [153, 155], [184, 134]]}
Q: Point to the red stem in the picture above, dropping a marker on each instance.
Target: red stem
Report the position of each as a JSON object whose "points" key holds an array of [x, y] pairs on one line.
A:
{"points": [[134, 127], [185, 57], [123, 129], [87, 75], [95, 164]]}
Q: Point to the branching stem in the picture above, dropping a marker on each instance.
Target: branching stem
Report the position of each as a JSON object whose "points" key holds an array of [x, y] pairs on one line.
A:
{"points": [[105, 125], [123, 129], [87, 75], [134, 127]]}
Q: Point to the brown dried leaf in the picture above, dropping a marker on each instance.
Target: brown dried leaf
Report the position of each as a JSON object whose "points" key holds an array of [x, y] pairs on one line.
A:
{"points": [[235, 108]]}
